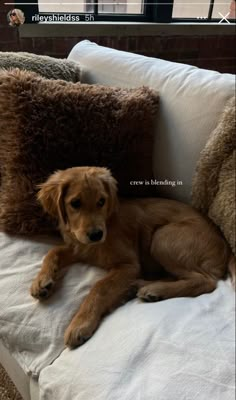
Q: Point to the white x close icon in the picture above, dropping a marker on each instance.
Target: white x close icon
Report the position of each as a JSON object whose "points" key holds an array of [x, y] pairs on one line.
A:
{"points": [[224, 18]]}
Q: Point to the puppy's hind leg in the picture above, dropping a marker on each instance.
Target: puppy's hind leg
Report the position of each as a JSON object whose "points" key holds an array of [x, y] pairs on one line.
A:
{"points": [[192, 285], [177, 249]]}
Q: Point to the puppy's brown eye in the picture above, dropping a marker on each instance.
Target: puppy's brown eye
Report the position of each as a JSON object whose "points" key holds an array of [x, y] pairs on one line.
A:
{"points": [[75, 203], [101, 202]]}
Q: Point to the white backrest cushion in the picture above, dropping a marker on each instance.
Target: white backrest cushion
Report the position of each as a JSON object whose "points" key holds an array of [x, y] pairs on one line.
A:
{"points": [[192, 100]]}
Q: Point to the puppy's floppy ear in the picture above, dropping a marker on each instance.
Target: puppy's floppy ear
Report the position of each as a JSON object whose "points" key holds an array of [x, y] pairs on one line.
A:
{"points": [[51, 196], [110, 185]]}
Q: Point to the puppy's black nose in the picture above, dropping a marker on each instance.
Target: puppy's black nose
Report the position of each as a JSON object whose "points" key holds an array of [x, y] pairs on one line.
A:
{"points": [[95, 235]]}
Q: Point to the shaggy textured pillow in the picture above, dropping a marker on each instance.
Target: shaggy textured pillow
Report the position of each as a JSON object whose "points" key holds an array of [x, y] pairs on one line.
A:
{"points": [[49, 67], [214, 183], [47, 125]]}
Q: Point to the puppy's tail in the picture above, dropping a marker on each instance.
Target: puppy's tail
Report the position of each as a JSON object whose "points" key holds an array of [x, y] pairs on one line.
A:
{"points": [[232, 269]]}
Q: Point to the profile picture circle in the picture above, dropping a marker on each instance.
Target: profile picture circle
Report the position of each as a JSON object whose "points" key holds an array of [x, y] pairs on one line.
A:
{"points": [[16, 17]]}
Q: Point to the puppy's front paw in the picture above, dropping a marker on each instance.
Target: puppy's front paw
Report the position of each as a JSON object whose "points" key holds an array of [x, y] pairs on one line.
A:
{"points": [[42, 287], [150, 293], [79, 331]]}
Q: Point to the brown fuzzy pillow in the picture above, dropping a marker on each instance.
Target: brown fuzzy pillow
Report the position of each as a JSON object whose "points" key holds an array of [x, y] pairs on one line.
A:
{"points": [[49, 67], [47, 125], [213, 190]]}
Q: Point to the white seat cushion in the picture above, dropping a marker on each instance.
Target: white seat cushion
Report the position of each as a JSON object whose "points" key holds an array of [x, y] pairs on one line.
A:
{"points": [[175, 349], [32, 331], [191, 102], [142, 349]]}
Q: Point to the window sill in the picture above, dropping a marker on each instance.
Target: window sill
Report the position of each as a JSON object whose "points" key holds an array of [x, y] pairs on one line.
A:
{"points": [[86, 29]]}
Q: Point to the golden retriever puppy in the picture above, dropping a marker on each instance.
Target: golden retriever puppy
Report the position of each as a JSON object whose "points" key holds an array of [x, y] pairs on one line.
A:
{"points": [[132, 240]]}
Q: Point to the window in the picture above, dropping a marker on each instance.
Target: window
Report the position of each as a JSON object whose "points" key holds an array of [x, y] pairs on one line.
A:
{"points": [[204, 9], [128, 10], [184, 9], [113, 7], [104, 6], [226, 8]]}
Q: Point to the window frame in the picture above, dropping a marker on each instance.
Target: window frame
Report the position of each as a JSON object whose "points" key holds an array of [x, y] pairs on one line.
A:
{"points": [[153, 12], [208, 19]]}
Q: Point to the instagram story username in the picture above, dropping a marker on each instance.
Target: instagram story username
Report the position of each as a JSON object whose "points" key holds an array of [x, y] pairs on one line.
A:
{"points": [[63, 18]]}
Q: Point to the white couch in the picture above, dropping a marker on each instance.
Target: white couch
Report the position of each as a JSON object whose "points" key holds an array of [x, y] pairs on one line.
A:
{"points": [[176, 349]]}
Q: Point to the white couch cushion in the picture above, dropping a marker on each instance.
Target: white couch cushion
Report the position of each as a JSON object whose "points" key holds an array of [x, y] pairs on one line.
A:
{"points": [[32, 331], [191, 102], [179, 349], [142, 350], [194, 332]]}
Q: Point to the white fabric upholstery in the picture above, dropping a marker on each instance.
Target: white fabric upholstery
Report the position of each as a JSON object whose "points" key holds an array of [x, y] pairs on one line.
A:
{"points": [[191, 102], [176, 349], [33, 331], [142, 351]]}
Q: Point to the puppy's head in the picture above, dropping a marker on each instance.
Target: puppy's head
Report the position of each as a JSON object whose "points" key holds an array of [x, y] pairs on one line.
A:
{"points": [[82, 199]]}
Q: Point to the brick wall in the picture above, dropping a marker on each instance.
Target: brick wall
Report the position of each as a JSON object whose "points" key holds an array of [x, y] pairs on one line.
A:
{"points": [[211, 52]]}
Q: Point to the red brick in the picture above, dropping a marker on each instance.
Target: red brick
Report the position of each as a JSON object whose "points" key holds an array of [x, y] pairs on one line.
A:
{"points": [[122, 44], [217, 64], [60, 45], [132, 43], [102, 41], [27, 44], [169, 56], [92, 39], [109, 42], [227, 52], [5, 7], [156, 42], [169, 43], [43, 45], [189, 43], [227, 42], [14, 46], [227, 69], [144, 43], [8, 33], [73, 41], [188, 54], [3, 16], [213, 52]]}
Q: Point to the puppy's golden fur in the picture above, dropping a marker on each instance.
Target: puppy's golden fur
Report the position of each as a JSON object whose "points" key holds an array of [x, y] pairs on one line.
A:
{"points": [[133, 240]]}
